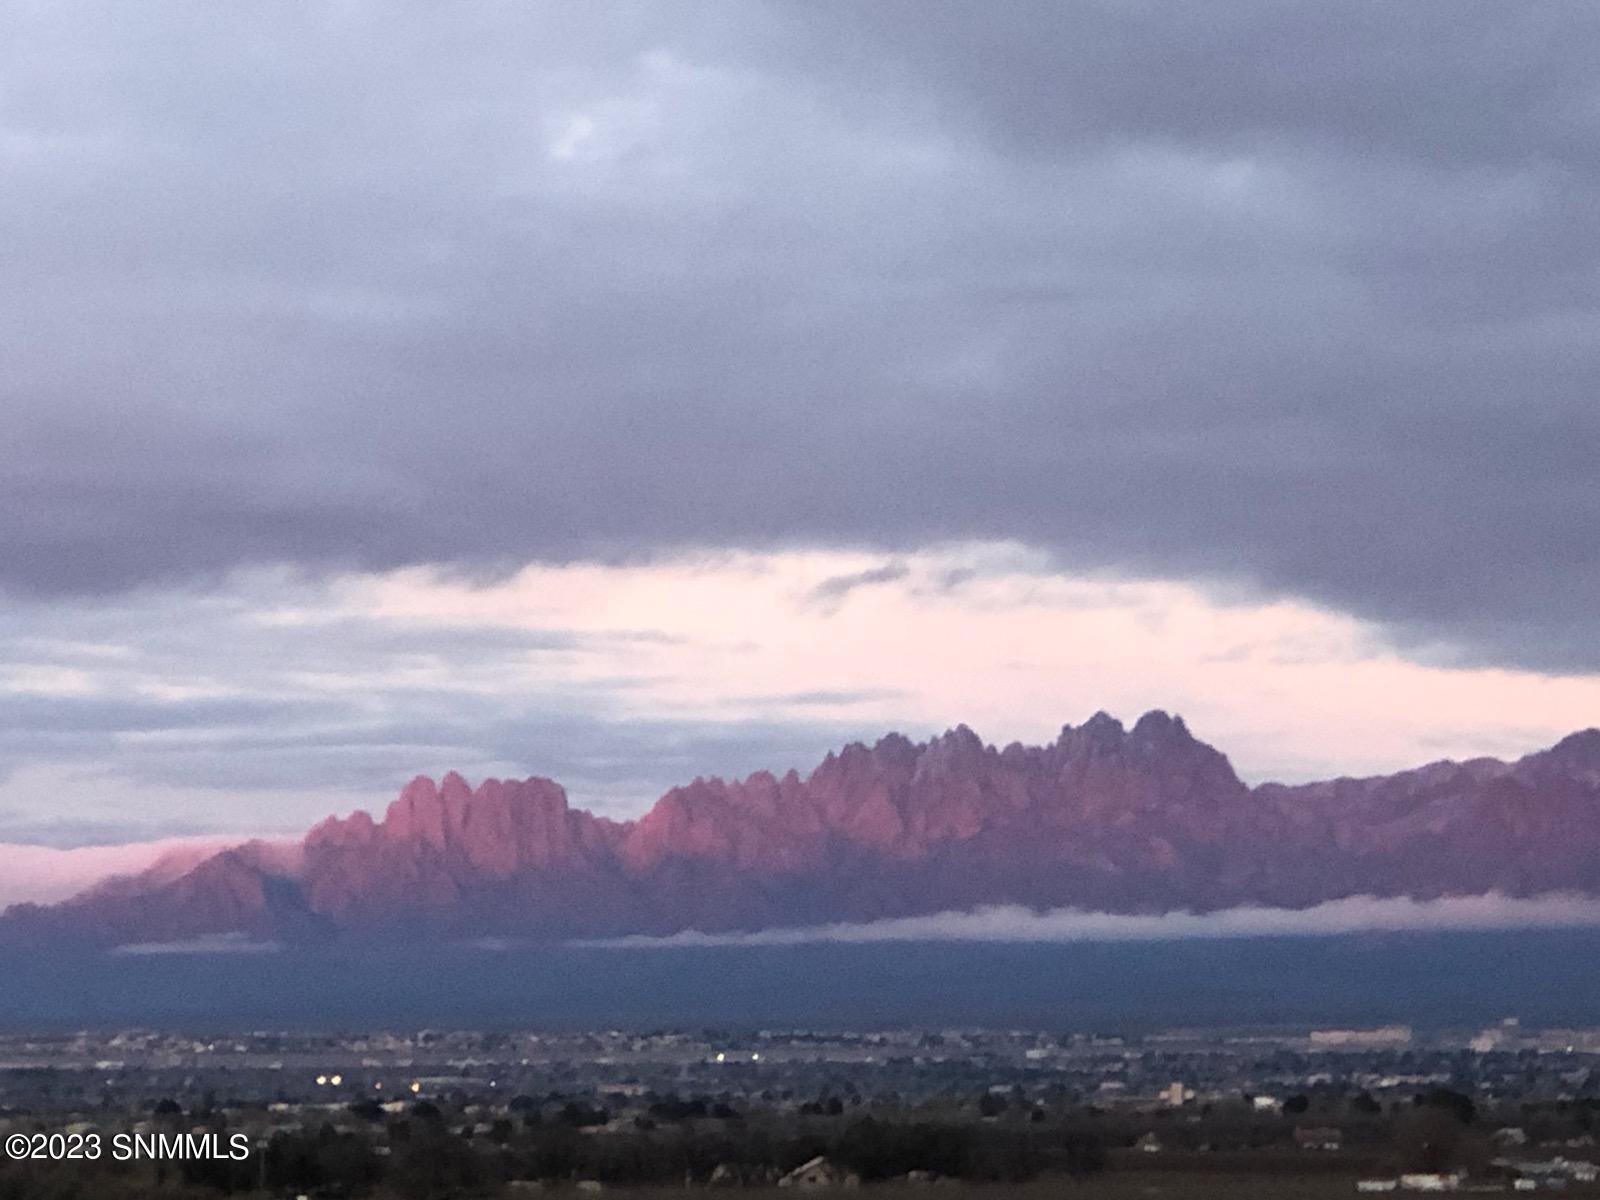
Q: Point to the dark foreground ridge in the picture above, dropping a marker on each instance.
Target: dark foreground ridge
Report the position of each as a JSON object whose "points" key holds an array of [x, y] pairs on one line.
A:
{"points": [[1106, 818]]}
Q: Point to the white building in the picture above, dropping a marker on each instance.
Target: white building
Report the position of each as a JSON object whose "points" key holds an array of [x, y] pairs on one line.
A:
{"points": [[1361, 1039], [1430, 1181], [818, 1173]]}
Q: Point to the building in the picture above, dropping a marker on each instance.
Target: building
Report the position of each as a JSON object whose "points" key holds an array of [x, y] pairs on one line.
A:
{"points": [[1318, 1138], [818, 1173], [1505, 1036], [1430, 1181], [1361, 1039]]}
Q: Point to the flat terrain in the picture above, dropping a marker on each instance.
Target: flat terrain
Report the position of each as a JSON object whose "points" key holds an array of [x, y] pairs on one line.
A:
{"points": [[1467, 980], [1132, 1185]]}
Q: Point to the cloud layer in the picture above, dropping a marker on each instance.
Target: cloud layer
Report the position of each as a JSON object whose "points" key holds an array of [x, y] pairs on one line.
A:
{"points": [[1009, 923], [1292, 298], [211, 943]]}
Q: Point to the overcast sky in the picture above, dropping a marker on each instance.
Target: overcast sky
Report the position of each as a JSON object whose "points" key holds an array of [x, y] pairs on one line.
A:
{"points": [[386, 388]]}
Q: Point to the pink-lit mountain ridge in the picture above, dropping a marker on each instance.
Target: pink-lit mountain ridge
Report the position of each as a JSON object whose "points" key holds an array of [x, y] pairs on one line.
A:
{"points": [[1104, 818]]}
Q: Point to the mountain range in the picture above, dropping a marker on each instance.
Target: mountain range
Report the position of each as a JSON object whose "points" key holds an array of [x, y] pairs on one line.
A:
{"points": [[1107, 818]]}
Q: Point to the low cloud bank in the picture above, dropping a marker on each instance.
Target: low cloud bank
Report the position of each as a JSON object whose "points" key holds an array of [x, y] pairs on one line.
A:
{"points": [[1013, 923], [209, 943]]}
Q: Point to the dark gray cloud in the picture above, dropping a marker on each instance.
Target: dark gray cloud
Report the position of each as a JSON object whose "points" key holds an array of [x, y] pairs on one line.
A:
{"points": [[1285, 295], [832, 591]]}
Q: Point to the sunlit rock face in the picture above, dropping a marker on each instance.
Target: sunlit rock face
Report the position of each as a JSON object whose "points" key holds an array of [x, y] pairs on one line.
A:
{"points": [[1130, 820]]}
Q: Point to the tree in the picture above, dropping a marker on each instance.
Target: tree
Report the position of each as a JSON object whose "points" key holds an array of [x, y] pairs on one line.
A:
{"points": [[1457, 1104], [583, 1116]]}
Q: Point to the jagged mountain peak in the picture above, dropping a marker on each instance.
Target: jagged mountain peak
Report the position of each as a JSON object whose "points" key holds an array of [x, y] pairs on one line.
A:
{"points": [[1101, 727], [1105, 817], [1581, 749], [1159, 725]]}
